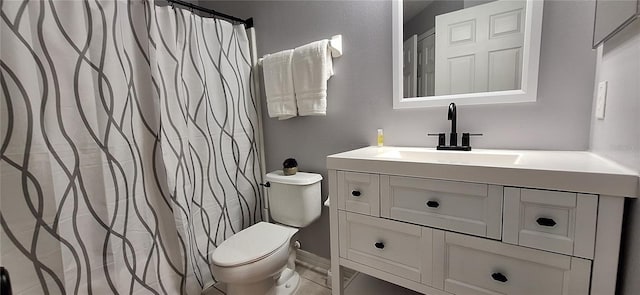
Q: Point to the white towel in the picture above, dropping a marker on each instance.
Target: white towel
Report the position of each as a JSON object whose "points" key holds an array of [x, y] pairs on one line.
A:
{"points": [[312, 67], [278, 85]]}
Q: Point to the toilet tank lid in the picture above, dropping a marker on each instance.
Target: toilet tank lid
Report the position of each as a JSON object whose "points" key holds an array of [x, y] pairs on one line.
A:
{"points": [[300, 178], [251, 244]]}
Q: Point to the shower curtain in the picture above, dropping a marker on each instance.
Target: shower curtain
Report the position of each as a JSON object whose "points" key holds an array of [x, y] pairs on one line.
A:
{"points": [[128, 146]]}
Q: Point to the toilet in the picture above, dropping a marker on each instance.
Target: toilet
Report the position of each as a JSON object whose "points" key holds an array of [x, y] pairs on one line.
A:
{"points": [[261, 258]]}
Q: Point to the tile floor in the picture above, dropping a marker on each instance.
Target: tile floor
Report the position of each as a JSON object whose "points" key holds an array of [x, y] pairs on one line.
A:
{"points": [[314, 282]]}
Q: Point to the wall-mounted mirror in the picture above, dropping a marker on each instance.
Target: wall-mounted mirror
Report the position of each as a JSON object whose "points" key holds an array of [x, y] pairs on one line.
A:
{"points": [[465, 51]]}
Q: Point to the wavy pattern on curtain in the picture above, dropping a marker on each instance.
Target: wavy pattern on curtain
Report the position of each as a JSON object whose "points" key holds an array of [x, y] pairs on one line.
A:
{"points": [[128, 146]]}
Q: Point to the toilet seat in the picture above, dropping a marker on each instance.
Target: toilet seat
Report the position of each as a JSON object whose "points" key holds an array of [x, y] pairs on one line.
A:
{"points": [[251, 244]]}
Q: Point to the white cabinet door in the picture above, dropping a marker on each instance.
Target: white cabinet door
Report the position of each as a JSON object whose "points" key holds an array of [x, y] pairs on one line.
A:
{"points": [[465, 207], [470, 265], [410, 67], [426, 65], [479, 49], [359, 192], [561, 222], [393, 247]]}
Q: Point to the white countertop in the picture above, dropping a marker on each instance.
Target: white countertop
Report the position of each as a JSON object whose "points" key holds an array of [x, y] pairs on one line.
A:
{"points": [[576, 171]]}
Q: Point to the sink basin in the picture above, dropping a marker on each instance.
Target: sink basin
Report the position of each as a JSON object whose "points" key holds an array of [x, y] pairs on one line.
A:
{"points": [[451, 157]]}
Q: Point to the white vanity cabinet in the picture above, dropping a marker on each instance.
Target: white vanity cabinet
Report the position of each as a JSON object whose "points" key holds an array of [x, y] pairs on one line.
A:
{"points": [[477, 229], [427, 229]]}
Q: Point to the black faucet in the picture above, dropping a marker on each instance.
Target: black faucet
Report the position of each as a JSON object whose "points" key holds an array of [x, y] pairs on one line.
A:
{"points": [[453, 137]]}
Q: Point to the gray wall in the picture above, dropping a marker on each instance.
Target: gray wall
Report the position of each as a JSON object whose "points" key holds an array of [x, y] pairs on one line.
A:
{"points": [[359, 95], [426, 19], [617, 137]]}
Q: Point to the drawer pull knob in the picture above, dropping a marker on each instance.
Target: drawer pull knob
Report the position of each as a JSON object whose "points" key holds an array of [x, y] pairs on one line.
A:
{"points": [[433, 204], [356, 193], [379, 245], [499, 277], [543, 221]]}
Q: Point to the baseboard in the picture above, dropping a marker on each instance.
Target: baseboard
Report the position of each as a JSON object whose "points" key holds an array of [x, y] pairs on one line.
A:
{"points": [[322, 265], [313, 261]]}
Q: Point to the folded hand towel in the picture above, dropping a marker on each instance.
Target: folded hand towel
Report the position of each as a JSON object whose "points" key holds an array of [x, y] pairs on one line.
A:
{"points": [[278, 85], [312, 67]]}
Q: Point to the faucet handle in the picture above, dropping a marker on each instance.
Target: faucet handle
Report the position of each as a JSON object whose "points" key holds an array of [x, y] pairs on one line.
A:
{"points": [[441, 137], [465, 138]]}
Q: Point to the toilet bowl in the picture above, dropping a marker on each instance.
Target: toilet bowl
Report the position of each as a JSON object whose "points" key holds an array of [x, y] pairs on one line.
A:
{"points": [[261, 258], [253, 260]]}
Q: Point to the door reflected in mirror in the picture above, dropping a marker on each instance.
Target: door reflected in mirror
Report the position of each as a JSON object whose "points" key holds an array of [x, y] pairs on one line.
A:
{"points": [[460, 47]]}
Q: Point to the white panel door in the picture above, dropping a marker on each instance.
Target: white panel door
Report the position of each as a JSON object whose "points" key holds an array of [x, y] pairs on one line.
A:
{"points": [[410, 67], [426, 65], [479, 49]]}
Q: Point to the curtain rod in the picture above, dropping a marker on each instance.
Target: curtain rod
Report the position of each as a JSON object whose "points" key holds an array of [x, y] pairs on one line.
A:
{"points": [[248, 23]]}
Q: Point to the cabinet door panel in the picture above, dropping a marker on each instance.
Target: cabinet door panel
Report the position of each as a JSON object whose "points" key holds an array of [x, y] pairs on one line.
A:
{"points": [[390, 246], [550, 220], [459, 206], [473, 265], [359, 192]]}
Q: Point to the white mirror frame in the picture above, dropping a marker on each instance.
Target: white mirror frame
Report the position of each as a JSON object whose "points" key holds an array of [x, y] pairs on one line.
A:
{"points": [[530, 61]]}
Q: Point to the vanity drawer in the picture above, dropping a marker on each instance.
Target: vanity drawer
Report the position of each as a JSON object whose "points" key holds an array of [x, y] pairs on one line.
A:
{"points": [[560, 222], [398, 248], [471, 265], [359, 192], [471, 208]]}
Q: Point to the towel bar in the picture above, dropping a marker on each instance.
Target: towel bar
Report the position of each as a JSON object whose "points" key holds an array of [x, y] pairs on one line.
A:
{"points": [[335, 46]]}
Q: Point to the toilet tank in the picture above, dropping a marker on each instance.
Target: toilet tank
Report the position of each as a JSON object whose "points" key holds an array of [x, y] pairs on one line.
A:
{"points": [[294, 200]]}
